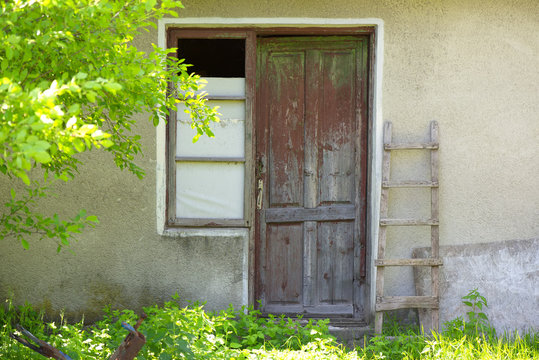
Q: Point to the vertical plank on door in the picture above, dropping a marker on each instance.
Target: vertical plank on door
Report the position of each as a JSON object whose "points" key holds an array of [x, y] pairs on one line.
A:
{"points": [[286, 126], [336, 135], [311, 201]]}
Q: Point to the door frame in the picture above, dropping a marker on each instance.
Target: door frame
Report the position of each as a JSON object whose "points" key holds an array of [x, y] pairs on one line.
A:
{"points": [[250, 28]]}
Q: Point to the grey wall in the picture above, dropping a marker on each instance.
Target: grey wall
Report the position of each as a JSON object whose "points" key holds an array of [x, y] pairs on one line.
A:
{"points": [[506, 273]]}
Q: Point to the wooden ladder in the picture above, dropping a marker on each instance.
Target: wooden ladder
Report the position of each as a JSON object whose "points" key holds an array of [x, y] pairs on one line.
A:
{"points": [[386, 303]]}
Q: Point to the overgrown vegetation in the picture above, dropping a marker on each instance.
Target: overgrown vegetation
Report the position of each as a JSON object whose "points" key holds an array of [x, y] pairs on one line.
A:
{"points": [[175, 332]]}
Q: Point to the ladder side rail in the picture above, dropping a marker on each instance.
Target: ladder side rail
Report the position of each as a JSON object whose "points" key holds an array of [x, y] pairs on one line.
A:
{"points": [[384, 202], [435, 229]]}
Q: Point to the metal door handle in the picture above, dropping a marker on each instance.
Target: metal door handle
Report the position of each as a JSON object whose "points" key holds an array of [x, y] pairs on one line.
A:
{"points": [[260, 194]]}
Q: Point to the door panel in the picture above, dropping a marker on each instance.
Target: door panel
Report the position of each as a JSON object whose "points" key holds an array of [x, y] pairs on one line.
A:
{"points": [[309, 147], [337, 131], [285, 87], [284, 276], [335, 256]]}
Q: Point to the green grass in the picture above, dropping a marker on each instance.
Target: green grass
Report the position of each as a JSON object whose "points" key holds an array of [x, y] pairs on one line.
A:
{"points": [[175, 332]]}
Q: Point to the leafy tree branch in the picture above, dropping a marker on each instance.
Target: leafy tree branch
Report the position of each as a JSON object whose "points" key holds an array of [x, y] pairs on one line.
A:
{"points": [[70, 82]]}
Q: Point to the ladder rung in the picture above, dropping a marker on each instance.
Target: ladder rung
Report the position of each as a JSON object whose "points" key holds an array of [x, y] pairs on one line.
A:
{"points": [[409, 183], [386, 303], [409, 262], [411, 146], [408, 222]]}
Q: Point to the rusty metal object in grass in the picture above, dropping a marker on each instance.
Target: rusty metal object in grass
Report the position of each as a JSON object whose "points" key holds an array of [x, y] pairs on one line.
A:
{"points": [[128, 349], [38, 345], [133, 342]]}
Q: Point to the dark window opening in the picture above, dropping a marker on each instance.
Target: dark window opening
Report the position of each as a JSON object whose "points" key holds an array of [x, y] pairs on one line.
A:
{"points": [[214, 57]]}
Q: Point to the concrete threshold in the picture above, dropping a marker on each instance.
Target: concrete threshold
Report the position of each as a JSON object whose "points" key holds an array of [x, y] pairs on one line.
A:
{"points": [[351, 334]]}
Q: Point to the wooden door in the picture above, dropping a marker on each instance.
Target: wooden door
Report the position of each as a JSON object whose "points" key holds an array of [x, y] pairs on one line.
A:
{"points": [[311, 175]]}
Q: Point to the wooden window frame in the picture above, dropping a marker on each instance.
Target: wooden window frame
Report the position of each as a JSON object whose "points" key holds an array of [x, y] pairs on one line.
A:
{"points": [[250, 34], [172, 221]]}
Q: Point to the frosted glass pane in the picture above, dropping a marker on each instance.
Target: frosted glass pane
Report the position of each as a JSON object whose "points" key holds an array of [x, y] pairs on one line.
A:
{"points": [[225, 86], [229, 140], [229, 109], [209, 190]]}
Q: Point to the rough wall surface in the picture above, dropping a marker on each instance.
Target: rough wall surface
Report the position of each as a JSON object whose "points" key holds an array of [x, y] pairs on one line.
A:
{"points": [[469, 64], [506, 273]]}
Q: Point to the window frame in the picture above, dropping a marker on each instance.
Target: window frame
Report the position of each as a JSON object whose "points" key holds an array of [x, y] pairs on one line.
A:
{"points": [[171, 128]]}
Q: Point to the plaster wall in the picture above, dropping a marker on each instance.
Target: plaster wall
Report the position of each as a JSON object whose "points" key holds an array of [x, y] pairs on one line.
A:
{"points": [[505, 272], [471, 65]]}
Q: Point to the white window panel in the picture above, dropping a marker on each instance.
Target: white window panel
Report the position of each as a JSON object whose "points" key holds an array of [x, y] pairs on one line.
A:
{"points": [[209, 190], [229, 140], [225, 86], [216, 87], [229, 109]]}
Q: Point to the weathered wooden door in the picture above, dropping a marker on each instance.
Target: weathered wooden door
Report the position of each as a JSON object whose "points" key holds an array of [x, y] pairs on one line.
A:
{"points": [[311, 175]]}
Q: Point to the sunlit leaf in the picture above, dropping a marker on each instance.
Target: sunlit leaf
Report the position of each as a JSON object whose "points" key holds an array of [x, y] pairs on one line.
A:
{"points": [[42, 157], [92, 218]]}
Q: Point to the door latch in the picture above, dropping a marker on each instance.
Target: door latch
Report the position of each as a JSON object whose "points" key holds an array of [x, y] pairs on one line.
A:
{"points": [[260, 194]]}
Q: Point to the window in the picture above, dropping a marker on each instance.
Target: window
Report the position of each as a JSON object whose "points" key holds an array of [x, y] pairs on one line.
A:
{"points": [[206, 179]]}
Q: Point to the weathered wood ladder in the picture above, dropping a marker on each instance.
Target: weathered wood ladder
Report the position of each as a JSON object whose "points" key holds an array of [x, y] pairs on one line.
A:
{"points": [[386, 303]]}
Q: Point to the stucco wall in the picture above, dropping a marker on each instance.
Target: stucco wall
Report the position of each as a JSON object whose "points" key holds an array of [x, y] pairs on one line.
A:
{"points": [[471, 65], [505, 272]]}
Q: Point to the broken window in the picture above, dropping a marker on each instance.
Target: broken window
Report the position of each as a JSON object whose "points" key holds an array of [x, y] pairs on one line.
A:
{"points": [[206, 178]]}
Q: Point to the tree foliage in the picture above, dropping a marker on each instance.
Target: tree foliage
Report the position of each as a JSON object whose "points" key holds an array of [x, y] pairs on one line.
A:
{"points": [[71, 81]]}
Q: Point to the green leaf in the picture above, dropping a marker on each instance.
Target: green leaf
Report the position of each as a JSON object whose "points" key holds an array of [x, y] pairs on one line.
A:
{"points": [[112, 87], [106, 143], [27, 54], [73, 228], [13, 194], [63, 176], [13, 39], [25, 244], [24, 177], [79, 145], [41, 145], [150, 4], [42, 157], [92, 218], [74, 109], [91, 96], [165, 356]]}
